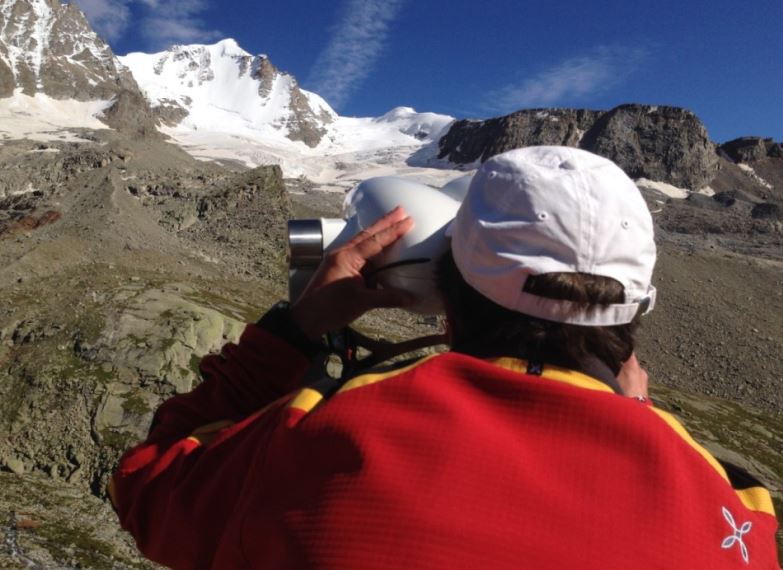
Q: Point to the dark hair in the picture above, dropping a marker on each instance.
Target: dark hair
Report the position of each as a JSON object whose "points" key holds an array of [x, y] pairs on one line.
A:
{"points": [[483, 328]]}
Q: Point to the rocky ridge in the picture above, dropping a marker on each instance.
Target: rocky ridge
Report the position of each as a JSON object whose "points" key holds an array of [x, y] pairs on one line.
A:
{"points": [[751, 149], [729, 194], [49, 48], [666, 144]]}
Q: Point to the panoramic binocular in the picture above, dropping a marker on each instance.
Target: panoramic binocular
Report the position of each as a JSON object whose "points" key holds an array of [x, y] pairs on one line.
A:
{"points": [[408, 264]]}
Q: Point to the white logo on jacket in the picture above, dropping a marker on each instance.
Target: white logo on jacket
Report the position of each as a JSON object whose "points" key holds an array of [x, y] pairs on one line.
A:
{"points": [[736, 537]]}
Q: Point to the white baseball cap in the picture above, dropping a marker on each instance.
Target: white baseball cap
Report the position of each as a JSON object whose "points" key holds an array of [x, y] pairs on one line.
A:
{"points": [[552, 209]]}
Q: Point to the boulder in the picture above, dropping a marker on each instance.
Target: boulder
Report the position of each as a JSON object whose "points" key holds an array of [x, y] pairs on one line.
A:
{"points": [[767, 211], [703, 201], [157, 336], [725, 199]]}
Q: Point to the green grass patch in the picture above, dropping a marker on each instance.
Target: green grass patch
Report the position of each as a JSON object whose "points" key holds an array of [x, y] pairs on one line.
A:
{"points": [[68, 543], [136, 405], [118, 440]]}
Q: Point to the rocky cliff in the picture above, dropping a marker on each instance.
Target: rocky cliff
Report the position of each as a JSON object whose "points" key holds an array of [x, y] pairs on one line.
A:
{"points": [[49, 48], [736, 188], [667, 144], [751, 149]]}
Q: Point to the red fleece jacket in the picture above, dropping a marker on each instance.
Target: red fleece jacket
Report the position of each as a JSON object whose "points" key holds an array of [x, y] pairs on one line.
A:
{"points": [[452, 462]]}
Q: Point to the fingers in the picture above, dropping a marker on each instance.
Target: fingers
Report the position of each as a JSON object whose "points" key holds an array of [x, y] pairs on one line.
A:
{"points": [[384, 222], [372, 241], [377, 242], [338, 293]]}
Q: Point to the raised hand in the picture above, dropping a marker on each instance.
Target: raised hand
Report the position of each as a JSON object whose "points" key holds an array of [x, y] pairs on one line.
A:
{"points": [[338, 293]]}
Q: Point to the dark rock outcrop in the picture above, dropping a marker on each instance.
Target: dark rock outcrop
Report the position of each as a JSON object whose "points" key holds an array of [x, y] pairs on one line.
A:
{"points": [[468, 141], [131, 114], [303, 124], [767, 211], [6, 80], [668, 144], [169, 112], [751, 149], [660, 143], [747, 149], [706, 202], [264, 71]]}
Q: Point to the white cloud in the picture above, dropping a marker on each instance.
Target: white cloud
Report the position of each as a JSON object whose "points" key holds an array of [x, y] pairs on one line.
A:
{"points": [[163, 22], [353, 49], [110, 18], [572, 78], [175, 22]]}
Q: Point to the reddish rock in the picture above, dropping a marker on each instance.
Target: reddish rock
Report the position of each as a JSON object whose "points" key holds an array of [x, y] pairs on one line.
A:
{"points": [[32, 222]]}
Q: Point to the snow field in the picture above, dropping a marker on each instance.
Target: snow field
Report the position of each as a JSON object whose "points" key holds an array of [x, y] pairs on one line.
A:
{"points": [[42, 118]]}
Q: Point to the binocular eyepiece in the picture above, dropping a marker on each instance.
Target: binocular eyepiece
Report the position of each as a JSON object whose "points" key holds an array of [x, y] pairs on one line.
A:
{"points": [[308, 241]]}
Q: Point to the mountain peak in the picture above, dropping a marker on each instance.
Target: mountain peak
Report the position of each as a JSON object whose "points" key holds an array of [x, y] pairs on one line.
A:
{"points": [[422, 126], [221, 86], [398, 113], [230, 46], [50, 48]]}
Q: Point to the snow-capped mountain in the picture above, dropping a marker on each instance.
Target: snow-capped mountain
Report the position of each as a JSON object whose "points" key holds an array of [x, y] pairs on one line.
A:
{"points": [[223, 88], [49, 48], [57, 73], [217, 101], [220, 102], [429, 127]]}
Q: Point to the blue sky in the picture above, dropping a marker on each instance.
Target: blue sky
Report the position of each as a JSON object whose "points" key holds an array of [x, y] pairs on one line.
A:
{"points": [[719, 58]]}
